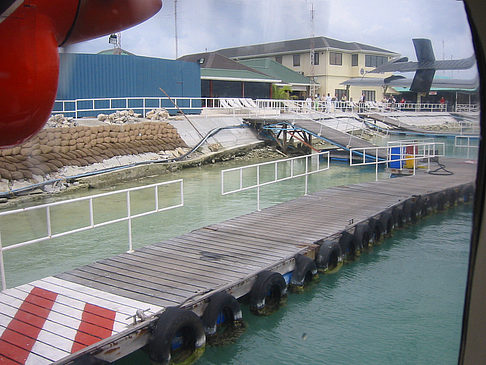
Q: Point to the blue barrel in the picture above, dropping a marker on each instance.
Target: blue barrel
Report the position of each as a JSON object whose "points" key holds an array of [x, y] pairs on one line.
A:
{"points": [[396, 154]]}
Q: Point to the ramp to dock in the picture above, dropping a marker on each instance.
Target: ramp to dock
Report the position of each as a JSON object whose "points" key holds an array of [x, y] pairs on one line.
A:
{"points": [[92, 308], [318, 129], [402, 127]]}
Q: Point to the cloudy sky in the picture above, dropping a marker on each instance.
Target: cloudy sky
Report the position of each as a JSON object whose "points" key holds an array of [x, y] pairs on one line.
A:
{"points": [[214, 24]]}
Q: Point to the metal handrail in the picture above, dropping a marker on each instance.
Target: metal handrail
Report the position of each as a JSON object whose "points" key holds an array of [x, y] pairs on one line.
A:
{"points": [[420, 150], [128, 217], [468, 145], [82, 107], [276, 178]]}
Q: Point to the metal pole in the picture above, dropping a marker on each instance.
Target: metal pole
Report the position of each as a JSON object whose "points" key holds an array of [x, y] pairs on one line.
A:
{"points": [[258, 187], [48, 219], [376, 164], [306, 173], [130, 244], [2, 267]]}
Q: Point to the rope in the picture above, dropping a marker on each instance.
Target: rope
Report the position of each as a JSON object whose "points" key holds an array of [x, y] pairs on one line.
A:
{"points": [[441, 170]]}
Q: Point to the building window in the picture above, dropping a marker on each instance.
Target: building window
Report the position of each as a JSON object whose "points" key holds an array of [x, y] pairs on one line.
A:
{"points": [[335, 58], [370, 95], [296, 59], [375, 61], [354, 59], [339, 94], [316, 58], [278, 59]]}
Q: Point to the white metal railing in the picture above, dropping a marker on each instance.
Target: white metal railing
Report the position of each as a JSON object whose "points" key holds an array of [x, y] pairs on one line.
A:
{"points": [[127, 217], [397, 154], [467, 108], [312, 166], [91, 107], [467, 144]]}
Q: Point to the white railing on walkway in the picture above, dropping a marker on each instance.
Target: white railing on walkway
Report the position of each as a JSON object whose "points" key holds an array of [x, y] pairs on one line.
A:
{"points": [[142, 105], [398, 155], [468, 142], [467, 108], [312, 165], [128, 216]]}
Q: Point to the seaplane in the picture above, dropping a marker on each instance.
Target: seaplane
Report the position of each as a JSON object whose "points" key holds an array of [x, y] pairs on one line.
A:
{"points": [[32, 32], [424, 68]]}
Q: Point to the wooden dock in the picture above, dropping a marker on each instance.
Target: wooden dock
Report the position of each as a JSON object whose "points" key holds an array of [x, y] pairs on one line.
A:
{"points": [[109, 308]]}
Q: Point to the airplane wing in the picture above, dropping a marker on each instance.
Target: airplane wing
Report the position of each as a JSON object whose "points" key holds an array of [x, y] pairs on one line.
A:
{"points": [[425, 61], [460, 64]]}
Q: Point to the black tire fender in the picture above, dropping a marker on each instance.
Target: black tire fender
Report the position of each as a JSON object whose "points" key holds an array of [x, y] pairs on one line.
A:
{"points": [[398, 216], [348, 243], [221, 303], [329, 255], [386, 219], [468, 193], [441, 200], [265, 283], [362, 234], [377, 229], [410, 211], [451, 196], [431, 203], [420, 207], [175, 321], [305, 268]]}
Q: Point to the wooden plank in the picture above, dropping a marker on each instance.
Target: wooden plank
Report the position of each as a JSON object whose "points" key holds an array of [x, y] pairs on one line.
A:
{"points": [[101, 286]]}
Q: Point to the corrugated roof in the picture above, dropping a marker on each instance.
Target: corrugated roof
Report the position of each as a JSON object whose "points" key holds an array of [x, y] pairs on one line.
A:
{"points": [[297, 45], [235, 75], [277, 71]]}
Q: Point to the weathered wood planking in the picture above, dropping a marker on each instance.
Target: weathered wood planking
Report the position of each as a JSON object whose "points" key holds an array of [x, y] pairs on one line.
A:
{"points": [[49, 319]]}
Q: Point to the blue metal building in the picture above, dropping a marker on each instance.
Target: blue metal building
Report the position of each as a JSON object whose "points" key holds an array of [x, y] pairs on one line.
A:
{"points": [[90, 76]]}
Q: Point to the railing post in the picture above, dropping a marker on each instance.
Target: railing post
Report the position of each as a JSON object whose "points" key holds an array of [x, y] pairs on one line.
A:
{"points": [[2, 267], [306, 173], [376, 164], [129, 214], [182, 192], [48, 222], [258, 188]]}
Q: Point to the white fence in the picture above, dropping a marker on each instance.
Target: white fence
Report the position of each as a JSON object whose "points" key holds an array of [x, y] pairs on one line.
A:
{"points": [[468, 142], [312, 166], [90, 199], [399, 155], [92, 107]]}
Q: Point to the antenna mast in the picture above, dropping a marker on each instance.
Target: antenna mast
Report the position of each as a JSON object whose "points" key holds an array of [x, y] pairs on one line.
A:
{"points": [[312, 55], [175, 26]]}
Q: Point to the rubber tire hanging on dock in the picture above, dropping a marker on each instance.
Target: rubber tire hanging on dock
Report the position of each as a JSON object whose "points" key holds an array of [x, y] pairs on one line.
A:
{"points": [[386, 220], [329, 256], [224, 304], [377, 230], [362, 234], [268, 285], [409, 211], [305, 270], [398, 215], [174, 322], [349, 245]]}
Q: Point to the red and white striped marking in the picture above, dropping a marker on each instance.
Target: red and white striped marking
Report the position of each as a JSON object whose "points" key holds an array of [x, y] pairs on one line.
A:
{"points": [[48, 319]]}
